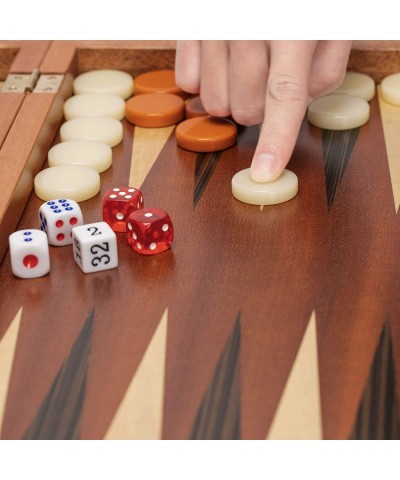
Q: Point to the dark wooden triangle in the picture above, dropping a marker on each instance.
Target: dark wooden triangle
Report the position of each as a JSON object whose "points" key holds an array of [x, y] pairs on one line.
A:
{"points": [[218, 417], [59, 416], [205, 166], [337, 146], [378, 413]]}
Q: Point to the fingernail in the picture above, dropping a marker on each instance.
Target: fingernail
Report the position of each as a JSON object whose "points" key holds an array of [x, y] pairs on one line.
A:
{"points": [[263, 167]]}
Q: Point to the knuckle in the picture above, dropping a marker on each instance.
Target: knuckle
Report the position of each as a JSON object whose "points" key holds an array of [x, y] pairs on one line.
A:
{"points": [[187, 83], [247, 115], [326, 81], [282, 90], [215, 107]]}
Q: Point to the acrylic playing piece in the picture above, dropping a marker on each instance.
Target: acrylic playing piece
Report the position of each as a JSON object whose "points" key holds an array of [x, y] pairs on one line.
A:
{"points": [[358, 85], [103, 129], [90, 153], [158, 81], [76, 182], [195, 108], [267, 193], [390, 89], [94, 104], [155, 110], [206, 134], [111, 81], [338, 112]]}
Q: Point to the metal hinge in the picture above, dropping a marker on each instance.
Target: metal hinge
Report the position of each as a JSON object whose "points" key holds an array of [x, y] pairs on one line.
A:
{"points": [[32, 82]]}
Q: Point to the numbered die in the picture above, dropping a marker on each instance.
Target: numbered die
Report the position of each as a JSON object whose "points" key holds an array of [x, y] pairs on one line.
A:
{"points": [[150, 231], [57, 218], [118, 204], [29, 252], [95, 247]]}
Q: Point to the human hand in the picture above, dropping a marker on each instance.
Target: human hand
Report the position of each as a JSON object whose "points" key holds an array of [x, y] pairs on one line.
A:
{"points": [[262, 82]]}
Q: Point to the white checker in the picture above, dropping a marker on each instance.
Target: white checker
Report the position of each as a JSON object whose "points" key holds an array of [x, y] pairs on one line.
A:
{"points": [[390, 89], [358, 85], [103, 129], [268, 193], [76, 182], [90, 153], [95, 247], [338, 112], [29, 251], [94, 104], [115, 82]]}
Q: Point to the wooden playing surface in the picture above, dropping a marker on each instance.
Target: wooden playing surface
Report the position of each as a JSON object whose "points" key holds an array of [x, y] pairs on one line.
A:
{"points": [[273, 322]]}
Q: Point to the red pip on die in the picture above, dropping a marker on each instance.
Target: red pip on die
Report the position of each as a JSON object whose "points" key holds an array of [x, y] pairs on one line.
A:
{"points": [[118, 204], [150, 231]]}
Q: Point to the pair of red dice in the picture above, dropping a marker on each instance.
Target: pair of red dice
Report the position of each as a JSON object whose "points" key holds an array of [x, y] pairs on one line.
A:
{"points": [[149, 230]]}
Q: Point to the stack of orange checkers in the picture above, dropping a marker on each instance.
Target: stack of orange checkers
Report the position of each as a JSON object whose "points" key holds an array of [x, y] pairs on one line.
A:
{"points": [[159, 102]]}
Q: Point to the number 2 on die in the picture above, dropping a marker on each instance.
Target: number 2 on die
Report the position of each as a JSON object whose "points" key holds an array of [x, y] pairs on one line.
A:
{"points": [[95, 247]]}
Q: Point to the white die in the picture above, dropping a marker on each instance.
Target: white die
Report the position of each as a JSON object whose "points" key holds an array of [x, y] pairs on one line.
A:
{"points": [[95, 247], [29, 252], [57, 218]]}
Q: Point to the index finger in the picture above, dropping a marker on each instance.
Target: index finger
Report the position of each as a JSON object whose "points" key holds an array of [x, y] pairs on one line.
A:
{"points": [[285, 105]]}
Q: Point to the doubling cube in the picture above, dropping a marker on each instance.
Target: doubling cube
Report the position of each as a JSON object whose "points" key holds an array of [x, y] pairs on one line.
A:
{"points": [[150, 231], [118, 204], [95, 247], [29, 252], [57, 218]]}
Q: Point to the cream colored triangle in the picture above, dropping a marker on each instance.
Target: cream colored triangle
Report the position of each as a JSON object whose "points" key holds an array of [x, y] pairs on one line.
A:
{"points": [[390, 115], [299, 411], [7, 351], [147, 145], [140, 414]]}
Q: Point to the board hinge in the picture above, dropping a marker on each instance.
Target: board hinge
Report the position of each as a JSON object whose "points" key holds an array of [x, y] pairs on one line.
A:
{"points": [[34, 82]]}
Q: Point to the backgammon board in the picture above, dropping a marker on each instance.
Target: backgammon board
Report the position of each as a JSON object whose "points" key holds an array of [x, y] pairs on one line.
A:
{"points": [[260, 322]]}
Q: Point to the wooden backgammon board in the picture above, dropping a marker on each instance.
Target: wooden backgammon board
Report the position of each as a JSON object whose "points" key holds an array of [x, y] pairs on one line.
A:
{"points": [[259, 323]]}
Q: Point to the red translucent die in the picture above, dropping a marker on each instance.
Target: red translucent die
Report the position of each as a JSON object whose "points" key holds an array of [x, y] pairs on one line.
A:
{"points": [[150, 231], [118, 204]]}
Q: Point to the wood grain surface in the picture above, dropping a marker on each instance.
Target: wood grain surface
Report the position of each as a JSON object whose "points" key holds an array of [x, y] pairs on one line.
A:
{"points": [[250, 308]]}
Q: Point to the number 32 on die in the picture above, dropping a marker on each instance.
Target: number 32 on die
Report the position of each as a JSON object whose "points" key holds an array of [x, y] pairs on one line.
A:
{"points": [[95, 247]]}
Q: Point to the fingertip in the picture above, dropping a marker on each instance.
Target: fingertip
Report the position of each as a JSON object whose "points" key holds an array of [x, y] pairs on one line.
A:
{"points": [[265, 167]]}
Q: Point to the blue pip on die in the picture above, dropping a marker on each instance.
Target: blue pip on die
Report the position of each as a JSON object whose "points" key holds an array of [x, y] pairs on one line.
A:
{"points": [[57, 218], [29, 252]]}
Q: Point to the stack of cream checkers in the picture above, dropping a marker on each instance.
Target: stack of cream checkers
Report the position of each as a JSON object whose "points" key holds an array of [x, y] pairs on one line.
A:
{"points": [[346, 107], [93, 126]]}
